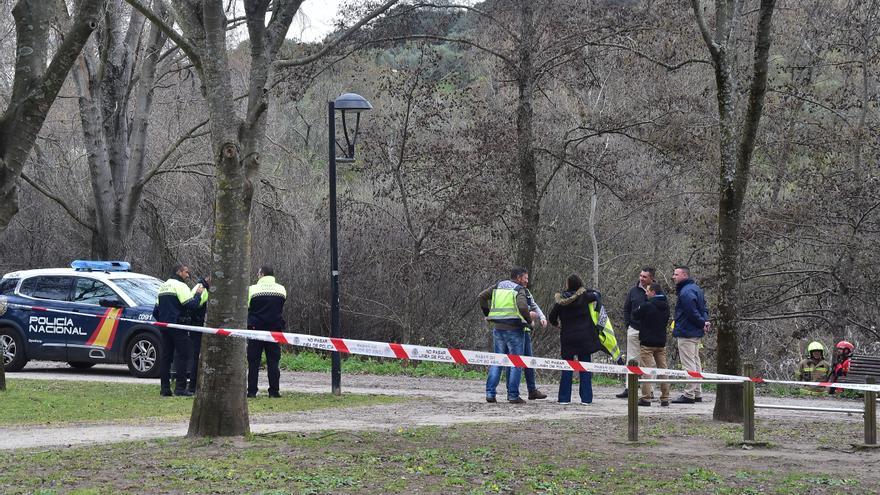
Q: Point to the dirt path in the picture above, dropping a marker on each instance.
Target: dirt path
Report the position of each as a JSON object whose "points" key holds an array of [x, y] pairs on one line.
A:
{"points": [[438, 402]]}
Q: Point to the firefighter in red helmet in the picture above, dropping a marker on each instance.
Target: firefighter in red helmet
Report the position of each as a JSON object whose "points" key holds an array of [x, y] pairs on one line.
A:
{"points": [[843, 352]]}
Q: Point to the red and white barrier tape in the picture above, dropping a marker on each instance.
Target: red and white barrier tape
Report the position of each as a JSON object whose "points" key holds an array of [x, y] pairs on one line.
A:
{"points": [[457, 356]]}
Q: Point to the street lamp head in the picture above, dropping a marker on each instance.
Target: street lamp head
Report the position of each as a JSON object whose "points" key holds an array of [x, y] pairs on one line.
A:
{"points": [[350, 103]]}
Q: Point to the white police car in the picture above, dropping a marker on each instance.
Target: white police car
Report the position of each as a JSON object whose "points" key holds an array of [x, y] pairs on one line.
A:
{"points": [[72, 317]]}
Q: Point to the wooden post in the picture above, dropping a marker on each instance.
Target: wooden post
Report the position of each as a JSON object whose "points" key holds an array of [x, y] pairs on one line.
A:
{"points": [[870, 414], [632, 414], [748, 404]]}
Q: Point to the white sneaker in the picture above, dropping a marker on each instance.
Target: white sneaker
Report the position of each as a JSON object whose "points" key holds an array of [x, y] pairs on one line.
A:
{"points": [[586, 403], [564, 403]]}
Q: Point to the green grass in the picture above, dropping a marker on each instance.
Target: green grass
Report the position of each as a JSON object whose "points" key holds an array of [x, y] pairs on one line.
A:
{"points": [[320, 362], [571, 457], [54, 402]]}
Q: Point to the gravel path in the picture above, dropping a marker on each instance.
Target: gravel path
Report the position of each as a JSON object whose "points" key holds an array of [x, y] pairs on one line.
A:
{"points": [[439, 402]]}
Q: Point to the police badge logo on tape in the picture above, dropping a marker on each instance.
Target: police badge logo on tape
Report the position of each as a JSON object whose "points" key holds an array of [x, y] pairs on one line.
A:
{"points": [[3, 305]]}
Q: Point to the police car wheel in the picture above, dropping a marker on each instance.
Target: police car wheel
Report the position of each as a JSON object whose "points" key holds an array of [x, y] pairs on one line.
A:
{"points": [[80, 365], [13, 350], [142, 355]]}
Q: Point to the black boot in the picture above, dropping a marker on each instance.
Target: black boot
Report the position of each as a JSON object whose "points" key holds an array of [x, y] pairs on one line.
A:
{"points": [[624, 394]]}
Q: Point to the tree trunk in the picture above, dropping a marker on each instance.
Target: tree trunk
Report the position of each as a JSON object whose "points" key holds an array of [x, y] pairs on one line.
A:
{"points": [[114, 130], [220, 407], [35, 87], [594, 202], [736, 148], [527, 235]]}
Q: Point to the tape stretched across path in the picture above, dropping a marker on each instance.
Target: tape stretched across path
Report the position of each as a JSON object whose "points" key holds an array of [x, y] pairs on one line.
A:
{"points": [[458, 356]]}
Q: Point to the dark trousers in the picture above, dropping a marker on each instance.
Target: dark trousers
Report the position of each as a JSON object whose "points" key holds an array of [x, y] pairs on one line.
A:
{"points": [[176, 346], [585, 389], [195, 341], [255, 350]]}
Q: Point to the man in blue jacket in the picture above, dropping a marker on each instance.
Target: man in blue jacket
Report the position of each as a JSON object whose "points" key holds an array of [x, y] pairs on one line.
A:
{"points": [[691, 323]]}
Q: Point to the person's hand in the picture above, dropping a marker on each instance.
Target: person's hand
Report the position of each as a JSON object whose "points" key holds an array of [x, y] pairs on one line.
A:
{"points": [[199, 288], [707, 326], [544, 323]]}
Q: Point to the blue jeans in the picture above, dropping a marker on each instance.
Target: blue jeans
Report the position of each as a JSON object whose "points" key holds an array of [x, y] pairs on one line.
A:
{"points": [[528, 372], [506, 342], [586, 385]]}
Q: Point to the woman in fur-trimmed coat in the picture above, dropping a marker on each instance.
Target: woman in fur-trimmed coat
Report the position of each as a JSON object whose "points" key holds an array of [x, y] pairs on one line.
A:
{"points": [[578, 336]]}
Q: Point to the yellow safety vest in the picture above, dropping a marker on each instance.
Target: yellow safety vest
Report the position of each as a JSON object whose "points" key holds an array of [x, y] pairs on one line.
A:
{"points": [[177, 288], [503, 305], [606, 331]]}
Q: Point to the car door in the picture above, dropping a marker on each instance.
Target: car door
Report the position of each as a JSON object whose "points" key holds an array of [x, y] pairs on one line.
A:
{"points": [[100, 323], [47, 332]]}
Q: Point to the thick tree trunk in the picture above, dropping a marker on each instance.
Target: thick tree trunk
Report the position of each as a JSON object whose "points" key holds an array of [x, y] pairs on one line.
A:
{"points": [[728, 402], [220, 407]]}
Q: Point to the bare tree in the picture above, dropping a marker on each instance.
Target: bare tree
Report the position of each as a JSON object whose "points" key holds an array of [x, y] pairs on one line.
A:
{"points": [[220, 408], [737, 143], [116, 96], [37, 82]]}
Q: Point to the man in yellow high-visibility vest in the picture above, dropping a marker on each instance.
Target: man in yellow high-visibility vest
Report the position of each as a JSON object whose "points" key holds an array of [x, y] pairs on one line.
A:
{"points": [[506, 306]]}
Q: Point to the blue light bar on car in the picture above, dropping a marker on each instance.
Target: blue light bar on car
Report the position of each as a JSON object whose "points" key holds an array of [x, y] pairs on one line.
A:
{"points": [[100, 266]]}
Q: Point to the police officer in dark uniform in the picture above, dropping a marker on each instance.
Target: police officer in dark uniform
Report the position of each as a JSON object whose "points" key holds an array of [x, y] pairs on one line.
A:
{"points": [[265, 312], [175, 299]]}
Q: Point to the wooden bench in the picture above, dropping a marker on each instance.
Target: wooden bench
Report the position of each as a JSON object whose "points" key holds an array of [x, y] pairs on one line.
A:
{"points": [[861, 367]]}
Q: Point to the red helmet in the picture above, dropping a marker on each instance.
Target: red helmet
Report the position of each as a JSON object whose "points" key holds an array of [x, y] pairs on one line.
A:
{"points": [[845, 346]]}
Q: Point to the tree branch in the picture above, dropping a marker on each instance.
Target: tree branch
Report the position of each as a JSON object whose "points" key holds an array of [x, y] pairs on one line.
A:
{"points": [[155, 168], [714, 49], [432, 37], [178, 39], [45, 192], [336, 42], [665, 65]]}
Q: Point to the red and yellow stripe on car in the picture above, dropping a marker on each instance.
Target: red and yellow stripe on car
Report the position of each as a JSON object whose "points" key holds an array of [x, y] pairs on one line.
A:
{"points": [[105, 332]]}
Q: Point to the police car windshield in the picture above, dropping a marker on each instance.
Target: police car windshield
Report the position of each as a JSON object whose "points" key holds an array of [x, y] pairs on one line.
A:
{"points": [[142, 290]]}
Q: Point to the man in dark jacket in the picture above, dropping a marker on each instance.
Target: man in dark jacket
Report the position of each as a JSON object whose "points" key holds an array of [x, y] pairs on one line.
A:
{"points": [[691, 323], [653, 315], [506, 306], [265, 312], [634, 298]]}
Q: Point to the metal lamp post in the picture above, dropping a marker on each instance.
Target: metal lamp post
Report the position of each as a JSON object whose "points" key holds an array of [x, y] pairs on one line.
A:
{"points": [[347, 103]]}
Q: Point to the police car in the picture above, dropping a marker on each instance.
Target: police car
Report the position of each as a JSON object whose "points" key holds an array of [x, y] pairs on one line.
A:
{"points": [[81, 325]]}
